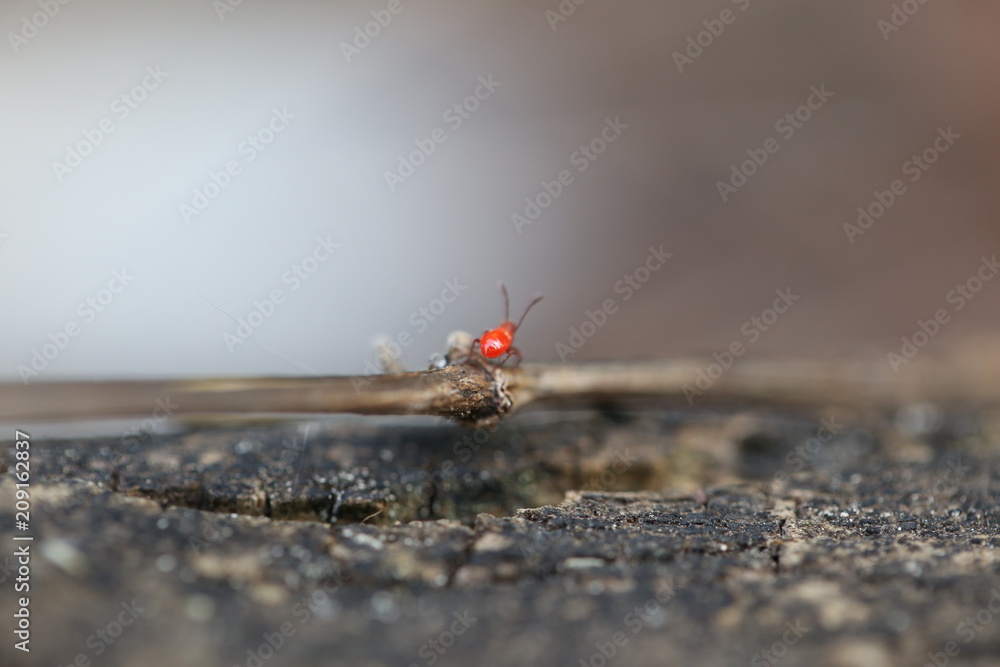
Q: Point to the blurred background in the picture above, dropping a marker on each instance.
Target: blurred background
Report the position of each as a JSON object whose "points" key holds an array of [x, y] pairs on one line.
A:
{"points": [[198, 188]]}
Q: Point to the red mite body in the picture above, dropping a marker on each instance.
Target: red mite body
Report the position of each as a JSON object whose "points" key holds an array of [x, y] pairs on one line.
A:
{"points": [[499, 341], [496, 342]]}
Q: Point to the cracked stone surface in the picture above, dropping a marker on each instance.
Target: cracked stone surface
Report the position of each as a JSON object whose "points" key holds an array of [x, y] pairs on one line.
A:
{"points": [[580, 538]]}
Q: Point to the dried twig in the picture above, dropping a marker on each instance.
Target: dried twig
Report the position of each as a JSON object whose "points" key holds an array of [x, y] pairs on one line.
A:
{"points": [[477, 394], [465, 393]]}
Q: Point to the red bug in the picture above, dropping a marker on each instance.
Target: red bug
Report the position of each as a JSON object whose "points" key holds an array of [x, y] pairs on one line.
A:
{"points": [[496, 342]]}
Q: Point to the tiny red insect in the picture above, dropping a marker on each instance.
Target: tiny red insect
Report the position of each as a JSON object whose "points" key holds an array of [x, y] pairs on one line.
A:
{"points": [[496, 342]]}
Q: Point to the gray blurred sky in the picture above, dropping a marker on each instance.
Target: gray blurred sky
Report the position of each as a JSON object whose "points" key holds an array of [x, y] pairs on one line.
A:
{"points": [[279, 71]]}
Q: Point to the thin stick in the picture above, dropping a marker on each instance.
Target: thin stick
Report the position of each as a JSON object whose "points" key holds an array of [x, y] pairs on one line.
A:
{"points": [[473, 394], [464, 393]]}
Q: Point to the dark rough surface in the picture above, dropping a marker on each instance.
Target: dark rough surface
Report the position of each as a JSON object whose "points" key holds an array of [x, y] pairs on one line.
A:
{"points": [[656, 538]]}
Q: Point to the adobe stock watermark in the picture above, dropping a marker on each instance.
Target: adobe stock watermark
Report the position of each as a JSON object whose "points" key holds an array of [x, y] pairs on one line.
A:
{"points": [[216, 528], [967, 629], [247, 151], [581, 159], [752, 330], [271, 643], [915, 167], [698, 43], [562, 12], [629, 284], [786, 126], [223, 7], [773, 654], [649, 614], [30, 25], [430, 483], [898, 17], [454, 116], [302, 612], [805, 452], [87, 311], [435, 647], [956, 298], [142, 431], [295, 276], [121, 108], [955, 473], [419, 320], [104, 637], [370, 30], [621, 462], [291, 450]]}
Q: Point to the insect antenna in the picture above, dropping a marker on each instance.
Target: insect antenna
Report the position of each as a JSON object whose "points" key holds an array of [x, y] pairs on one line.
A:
{"points": [[506, 302], [538, 297]]}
